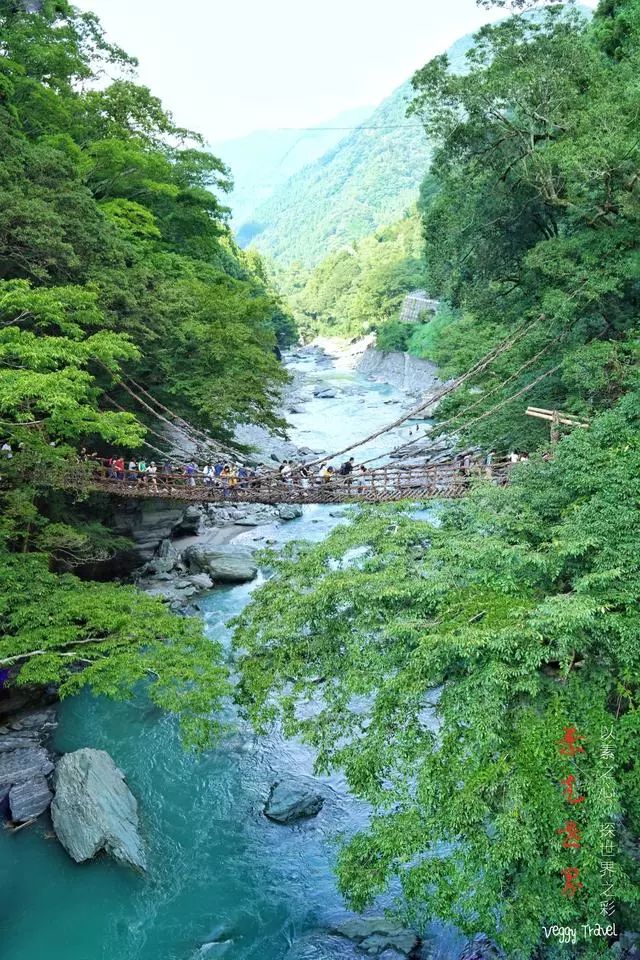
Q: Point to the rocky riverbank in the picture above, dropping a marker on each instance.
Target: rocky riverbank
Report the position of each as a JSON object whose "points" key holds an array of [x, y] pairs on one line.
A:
{"points": [[402, 370]]}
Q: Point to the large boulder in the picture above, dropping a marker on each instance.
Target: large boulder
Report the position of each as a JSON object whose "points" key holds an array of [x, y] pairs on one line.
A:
{"points": [[289, 511], [93, 809], [190, 523], [377, 935], [222, 564], [290, 800]]}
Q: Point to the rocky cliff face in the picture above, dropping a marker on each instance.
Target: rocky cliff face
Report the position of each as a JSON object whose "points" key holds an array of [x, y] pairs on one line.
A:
{"points": [[399, 369], [149, 522]]}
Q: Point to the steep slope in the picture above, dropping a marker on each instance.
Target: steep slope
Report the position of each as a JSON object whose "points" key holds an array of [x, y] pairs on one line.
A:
{"points": [[367, 180], [263, 160]]}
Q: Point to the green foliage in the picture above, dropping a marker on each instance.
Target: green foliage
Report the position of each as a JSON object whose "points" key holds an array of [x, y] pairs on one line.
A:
{"points": [[368, 179], [115, 261], [451, 653], [531, 211], [361, 288], [55, 624], [393, 335]]}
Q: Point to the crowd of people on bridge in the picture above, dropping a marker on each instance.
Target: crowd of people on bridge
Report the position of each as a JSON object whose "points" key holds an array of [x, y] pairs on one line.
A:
{"points": [[228, 475]]}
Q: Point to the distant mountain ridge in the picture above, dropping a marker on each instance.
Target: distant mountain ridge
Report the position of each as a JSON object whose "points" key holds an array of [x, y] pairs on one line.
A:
{"points": [[263, 160], [369, 178]]}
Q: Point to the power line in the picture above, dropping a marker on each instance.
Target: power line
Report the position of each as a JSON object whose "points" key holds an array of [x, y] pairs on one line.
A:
{"points": [[361, 126]]}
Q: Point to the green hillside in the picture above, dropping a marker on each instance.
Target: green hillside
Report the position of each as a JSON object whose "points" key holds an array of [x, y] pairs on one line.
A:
{"points": [[265, 159], [368, 179], [361, 287]]}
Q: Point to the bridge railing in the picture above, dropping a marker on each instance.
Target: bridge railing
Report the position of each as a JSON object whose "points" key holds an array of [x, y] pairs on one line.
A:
{"points": [[391, 482]]}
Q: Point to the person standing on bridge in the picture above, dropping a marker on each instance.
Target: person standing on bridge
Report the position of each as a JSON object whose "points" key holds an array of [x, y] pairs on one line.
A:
{"points": [[346, 470], [152, 471], [132, 474]]}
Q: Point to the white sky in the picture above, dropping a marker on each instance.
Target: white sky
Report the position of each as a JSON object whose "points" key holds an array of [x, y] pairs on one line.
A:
{"points": [[227, 67]]}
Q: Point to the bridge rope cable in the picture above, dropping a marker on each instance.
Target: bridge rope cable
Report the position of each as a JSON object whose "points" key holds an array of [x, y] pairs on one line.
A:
{"points": [[154, 433], [216, 445], [453, 385], [482, 399], [528, 386], [478, 367], [433, 428], [186, 430]]}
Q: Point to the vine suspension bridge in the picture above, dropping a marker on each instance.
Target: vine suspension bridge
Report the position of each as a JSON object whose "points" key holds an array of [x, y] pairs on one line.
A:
{"points": [[381, 485], [366, 484]]}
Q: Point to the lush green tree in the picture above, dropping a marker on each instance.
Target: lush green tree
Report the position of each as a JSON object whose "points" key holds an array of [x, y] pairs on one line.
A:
{"points": [[444, 657], [531, 212], [116, 262], [360, 288], [54, 624]]}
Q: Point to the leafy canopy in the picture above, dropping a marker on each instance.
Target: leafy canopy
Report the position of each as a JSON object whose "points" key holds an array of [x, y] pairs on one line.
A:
{"points": [[443, 658]]}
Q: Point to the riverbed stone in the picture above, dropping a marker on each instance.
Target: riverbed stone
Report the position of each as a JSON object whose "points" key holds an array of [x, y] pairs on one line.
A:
{"points": [[222, 564], [378, 935], [25, 763], [290, 800], [289, 511], [29, 799], [201, 581], [324, 394], [94, 810]]}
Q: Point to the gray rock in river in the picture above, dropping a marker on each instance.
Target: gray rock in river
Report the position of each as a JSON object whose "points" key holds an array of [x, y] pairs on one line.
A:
{"points": [[289, 511], [290, 800], [25, 763], [324, 393], [93, 809], [224, 564], [29, 799], [377, 935]]}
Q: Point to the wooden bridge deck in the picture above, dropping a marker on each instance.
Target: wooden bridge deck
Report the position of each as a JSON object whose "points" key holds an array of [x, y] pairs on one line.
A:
{"points": [[383, 485]]}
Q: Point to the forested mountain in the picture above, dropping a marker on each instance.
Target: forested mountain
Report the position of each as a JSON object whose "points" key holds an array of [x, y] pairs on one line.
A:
{"points": [[480, 675], [264, 160], [360, 288], [368, 179], [115, 262]]}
